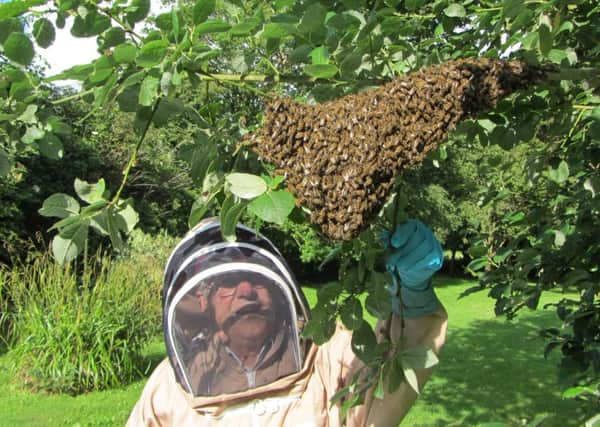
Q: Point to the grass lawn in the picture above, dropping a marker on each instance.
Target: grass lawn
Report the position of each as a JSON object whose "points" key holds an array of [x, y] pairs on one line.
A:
{"points": [[491, 370]]}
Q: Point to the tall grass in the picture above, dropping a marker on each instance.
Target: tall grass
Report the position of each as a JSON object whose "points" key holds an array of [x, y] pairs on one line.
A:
{"points": [[73, 331]]}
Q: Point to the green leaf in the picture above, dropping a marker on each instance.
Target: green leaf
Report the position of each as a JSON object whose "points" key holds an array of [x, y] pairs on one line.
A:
{"points": [[414, 4], [93, 208], [8, 26], [328, 294], [103, 68], [51, 147], [364, 342], [59, 205], [514, 217], [5, 164], [58, 126], [379, 389], [592, 185], [411, 378], [114, 232], [104, 92], [90, 193], [537, 420], [17, 7], [78, 72], [246, 186], [321, 71], [545, 35], [455, 10], [231, 211], [202, 10], [114, 36], [199, 209], [300, 54], [396, 374], [125, 53], [478, 264], [559, 238], [522, 20], [164, 21], [274, 206], [504, 137], [560, 174], [166, 111], [137, 11], [92, 25], [70, 242], [274, 30], [19, 48], [573, 392], [43, 32], [512, 8], [128, 99], [320, 55], [99, 222], [313, 19], [213, 26], [152, 53], [29, 115], [148, 91], [351, 63], [419, 358], [245, 28], [32, 133], [127, 217], [351, 313]]}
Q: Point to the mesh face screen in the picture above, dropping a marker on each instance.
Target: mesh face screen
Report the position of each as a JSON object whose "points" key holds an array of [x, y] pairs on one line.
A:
{"points": [[232, 312], [231, 328]]}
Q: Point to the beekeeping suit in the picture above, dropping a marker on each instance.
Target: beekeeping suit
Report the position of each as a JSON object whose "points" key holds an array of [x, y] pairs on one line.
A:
{"points": [[233, 316]]}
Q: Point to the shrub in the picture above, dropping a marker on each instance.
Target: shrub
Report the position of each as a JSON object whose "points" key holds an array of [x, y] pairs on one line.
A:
{"points": [[72, 332]]}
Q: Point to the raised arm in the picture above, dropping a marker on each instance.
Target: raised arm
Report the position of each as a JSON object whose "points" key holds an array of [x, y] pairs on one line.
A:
{"points": [[415, 256]]}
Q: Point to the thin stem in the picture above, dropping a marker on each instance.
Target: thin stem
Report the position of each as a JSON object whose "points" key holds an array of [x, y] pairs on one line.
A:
{"points": [[572, 129], [126, 27], [234, 82], [285, 78], [72, 97], [133, 157], [577, 120], [415, 15], [487, 9], [270, 64], [574, 74]]}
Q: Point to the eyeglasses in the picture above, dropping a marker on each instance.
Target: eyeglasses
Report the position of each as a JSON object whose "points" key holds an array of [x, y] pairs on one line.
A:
{"points": [[226, 286]]}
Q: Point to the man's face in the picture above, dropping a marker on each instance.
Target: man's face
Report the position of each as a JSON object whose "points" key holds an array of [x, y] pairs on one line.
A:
{"points": [[243, 307]]}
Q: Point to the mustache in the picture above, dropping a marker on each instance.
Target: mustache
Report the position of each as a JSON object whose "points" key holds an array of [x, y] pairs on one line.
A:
{"points": [[252, 308]]}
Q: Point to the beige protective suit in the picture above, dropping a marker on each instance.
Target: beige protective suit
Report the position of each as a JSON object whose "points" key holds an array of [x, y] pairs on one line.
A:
{"points": [[301, 399]]}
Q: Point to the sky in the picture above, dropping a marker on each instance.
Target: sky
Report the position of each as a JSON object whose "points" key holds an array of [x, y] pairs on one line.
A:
{"points": [[67, 51]]}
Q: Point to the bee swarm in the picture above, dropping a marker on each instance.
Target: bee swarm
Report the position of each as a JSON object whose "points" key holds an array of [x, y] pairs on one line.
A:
{"points": [[341, 157]]}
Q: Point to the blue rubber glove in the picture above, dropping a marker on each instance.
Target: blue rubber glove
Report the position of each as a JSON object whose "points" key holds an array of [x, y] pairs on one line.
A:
{"points": [[415, 255]]}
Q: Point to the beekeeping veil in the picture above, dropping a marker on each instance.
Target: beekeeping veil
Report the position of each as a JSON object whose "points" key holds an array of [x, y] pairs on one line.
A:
{"points": [[201, 279]]}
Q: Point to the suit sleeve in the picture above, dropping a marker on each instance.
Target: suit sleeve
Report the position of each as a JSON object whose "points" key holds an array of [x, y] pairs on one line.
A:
{"points": [[152, 409], [424, 331]]}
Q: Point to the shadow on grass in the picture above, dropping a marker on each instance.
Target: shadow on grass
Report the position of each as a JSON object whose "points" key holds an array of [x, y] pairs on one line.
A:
{"points": [[494, 370], [153, 354]]}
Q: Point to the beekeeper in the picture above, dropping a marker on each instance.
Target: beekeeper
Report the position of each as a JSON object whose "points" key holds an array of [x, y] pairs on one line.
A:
{"points": [[233, 316]]}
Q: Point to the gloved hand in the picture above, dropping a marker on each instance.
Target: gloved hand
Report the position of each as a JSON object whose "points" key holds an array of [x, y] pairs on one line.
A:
{"points": [[415, 255]]}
